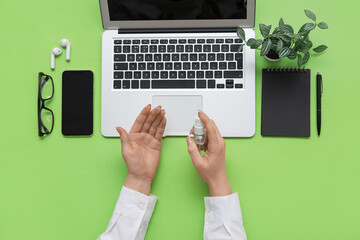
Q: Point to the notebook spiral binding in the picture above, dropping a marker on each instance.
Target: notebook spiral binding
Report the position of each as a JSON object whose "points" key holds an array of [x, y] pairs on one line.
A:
{"points": [[288, 69]]}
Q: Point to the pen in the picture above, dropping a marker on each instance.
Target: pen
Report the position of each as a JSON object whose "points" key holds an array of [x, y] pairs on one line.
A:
{"points": [[319, 91]]}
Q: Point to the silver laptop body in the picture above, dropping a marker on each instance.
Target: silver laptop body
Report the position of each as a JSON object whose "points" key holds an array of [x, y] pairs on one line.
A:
{"points": [[181, 55]]}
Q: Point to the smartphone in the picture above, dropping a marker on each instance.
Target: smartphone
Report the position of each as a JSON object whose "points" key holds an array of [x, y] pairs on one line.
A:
{"points": [[77, 103]]}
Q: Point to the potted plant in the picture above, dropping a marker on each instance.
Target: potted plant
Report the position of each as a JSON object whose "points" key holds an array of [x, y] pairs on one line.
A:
{"points": [[284, 42]]}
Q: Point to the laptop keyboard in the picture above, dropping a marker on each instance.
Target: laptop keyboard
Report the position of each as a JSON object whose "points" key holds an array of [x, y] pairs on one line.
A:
{"points": [[213, 63]]}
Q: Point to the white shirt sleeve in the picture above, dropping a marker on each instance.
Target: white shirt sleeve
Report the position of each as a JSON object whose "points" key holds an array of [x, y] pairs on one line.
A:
{"points": [[223, 219], [131, 216]]}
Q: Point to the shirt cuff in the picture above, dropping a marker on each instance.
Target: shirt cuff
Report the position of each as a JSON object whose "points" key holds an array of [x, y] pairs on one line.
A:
{"points": [[222, 209], [132, 203]]}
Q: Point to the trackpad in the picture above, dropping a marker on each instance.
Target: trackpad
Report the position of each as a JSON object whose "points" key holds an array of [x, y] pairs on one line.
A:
{"points": [[180, 112]]}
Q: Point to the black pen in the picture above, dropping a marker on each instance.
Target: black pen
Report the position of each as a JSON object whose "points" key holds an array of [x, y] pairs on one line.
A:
{"points": [[319, 91]]}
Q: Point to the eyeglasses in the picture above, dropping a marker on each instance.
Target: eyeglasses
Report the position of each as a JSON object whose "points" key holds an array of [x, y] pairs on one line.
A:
{"points": [[45, 115]]}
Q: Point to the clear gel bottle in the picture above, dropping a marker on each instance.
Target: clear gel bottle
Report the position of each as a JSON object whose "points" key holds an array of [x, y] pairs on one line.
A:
{"points": [[199, 133]]}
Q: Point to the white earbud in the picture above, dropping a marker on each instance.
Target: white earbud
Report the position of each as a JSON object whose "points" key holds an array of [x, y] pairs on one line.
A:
{"points": [[65, 43], [54, 52]]}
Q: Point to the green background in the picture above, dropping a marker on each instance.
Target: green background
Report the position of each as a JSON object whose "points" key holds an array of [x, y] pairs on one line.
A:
{"points": [[66, 188]]}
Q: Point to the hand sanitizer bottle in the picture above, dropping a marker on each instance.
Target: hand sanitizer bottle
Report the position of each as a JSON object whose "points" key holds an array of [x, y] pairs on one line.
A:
{"points": [[199, 133]]}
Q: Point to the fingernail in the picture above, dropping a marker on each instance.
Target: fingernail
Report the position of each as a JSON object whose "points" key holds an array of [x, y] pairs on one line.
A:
{"points": [[189, 140], [118, 130], [200, 112]]}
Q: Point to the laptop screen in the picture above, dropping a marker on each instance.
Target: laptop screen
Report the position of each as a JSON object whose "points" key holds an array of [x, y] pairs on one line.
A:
{"points": [[128, 10]]}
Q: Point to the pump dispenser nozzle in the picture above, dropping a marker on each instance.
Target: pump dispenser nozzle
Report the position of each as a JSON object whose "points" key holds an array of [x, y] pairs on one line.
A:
{"points": [[199, 133]]}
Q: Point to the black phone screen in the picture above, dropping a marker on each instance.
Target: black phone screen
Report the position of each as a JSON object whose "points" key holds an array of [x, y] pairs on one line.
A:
{"points": [[77, 103]]}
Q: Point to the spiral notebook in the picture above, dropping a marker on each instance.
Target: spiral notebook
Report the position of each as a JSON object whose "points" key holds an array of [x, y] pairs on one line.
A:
{"points": [[285, 107]]}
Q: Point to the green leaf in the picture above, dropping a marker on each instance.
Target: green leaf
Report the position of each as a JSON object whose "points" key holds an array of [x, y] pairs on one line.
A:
{"points": [[310, 15], [241, 33], [300, 60], [307, 27], [284, 52], [276, 32], [320, 48], [323, 25], [305, 58], [265, 30], [251, 42], [240, 49], [279, 45], [281, 25], [265, 48], [257, 44], [288, 29], [292, 55]]}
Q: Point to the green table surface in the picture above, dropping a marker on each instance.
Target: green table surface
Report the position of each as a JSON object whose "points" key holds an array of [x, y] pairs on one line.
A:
{"points": [[58, 187]]}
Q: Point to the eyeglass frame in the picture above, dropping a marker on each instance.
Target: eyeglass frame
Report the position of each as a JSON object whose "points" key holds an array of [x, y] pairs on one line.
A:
{"points": [[41, 104]]}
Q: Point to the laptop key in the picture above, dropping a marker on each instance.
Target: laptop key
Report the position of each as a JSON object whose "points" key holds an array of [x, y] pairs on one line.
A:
{"points": [[146, 75], [229, 85], [225, 48], [133, 66], [173, 74], [207, 48], [238, 40], [175, 57], [211, 83], [198, 48], [201, 41], [139, 57], [182, 74], [135, 49], [150, 66], [233, 74], [234, 47], [117, 49], [186, 66], [177, 66], [239, 85], [213, 65], [128, 75], [137, 75], [231, 65], [210, 40], [162, 48], [159, 84], [155, 74], [117, 84], [126, 84], [164, 74], [120, 66], [148, 57], [191, 74], [201, 84], [219, 40], [204, 65], [229, 40], [145, 84], [200, 74], [163, 41], [229, 81], [119, 57], [166, 57], [153, 48], [191, 41], [211, 57], [157, 57], [180, 48], [182, 41], [145, 41], [144, 49], [171, 48], [127, 41], [220, 85], [168, 66], [195, 65], [193, 57], [220, 57], [173, 41], [159, 66], [135, 84], [135, 41], [154, 41], [189, 48], [141, 66], [218, 74], [184, 57], [209, 74], [118, 75], [229, 56], [131, 57], [222, 65], [117, 41], [126, 49], [202, 57]]}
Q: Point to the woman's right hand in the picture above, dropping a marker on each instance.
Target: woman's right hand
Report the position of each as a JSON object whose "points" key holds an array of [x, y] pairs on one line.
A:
{"points": [[211, 166]]}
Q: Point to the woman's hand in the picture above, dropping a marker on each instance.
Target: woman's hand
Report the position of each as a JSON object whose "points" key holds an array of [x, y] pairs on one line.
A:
{"points": [[211, 166], [141, 148]]}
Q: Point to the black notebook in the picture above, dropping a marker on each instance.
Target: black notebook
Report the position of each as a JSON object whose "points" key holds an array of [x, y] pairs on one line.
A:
{"points": [[285, 107]]}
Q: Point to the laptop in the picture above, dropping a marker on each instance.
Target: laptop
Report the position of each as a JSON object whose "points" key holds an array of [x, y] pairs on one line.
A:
{"points": [[182, 55]]}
